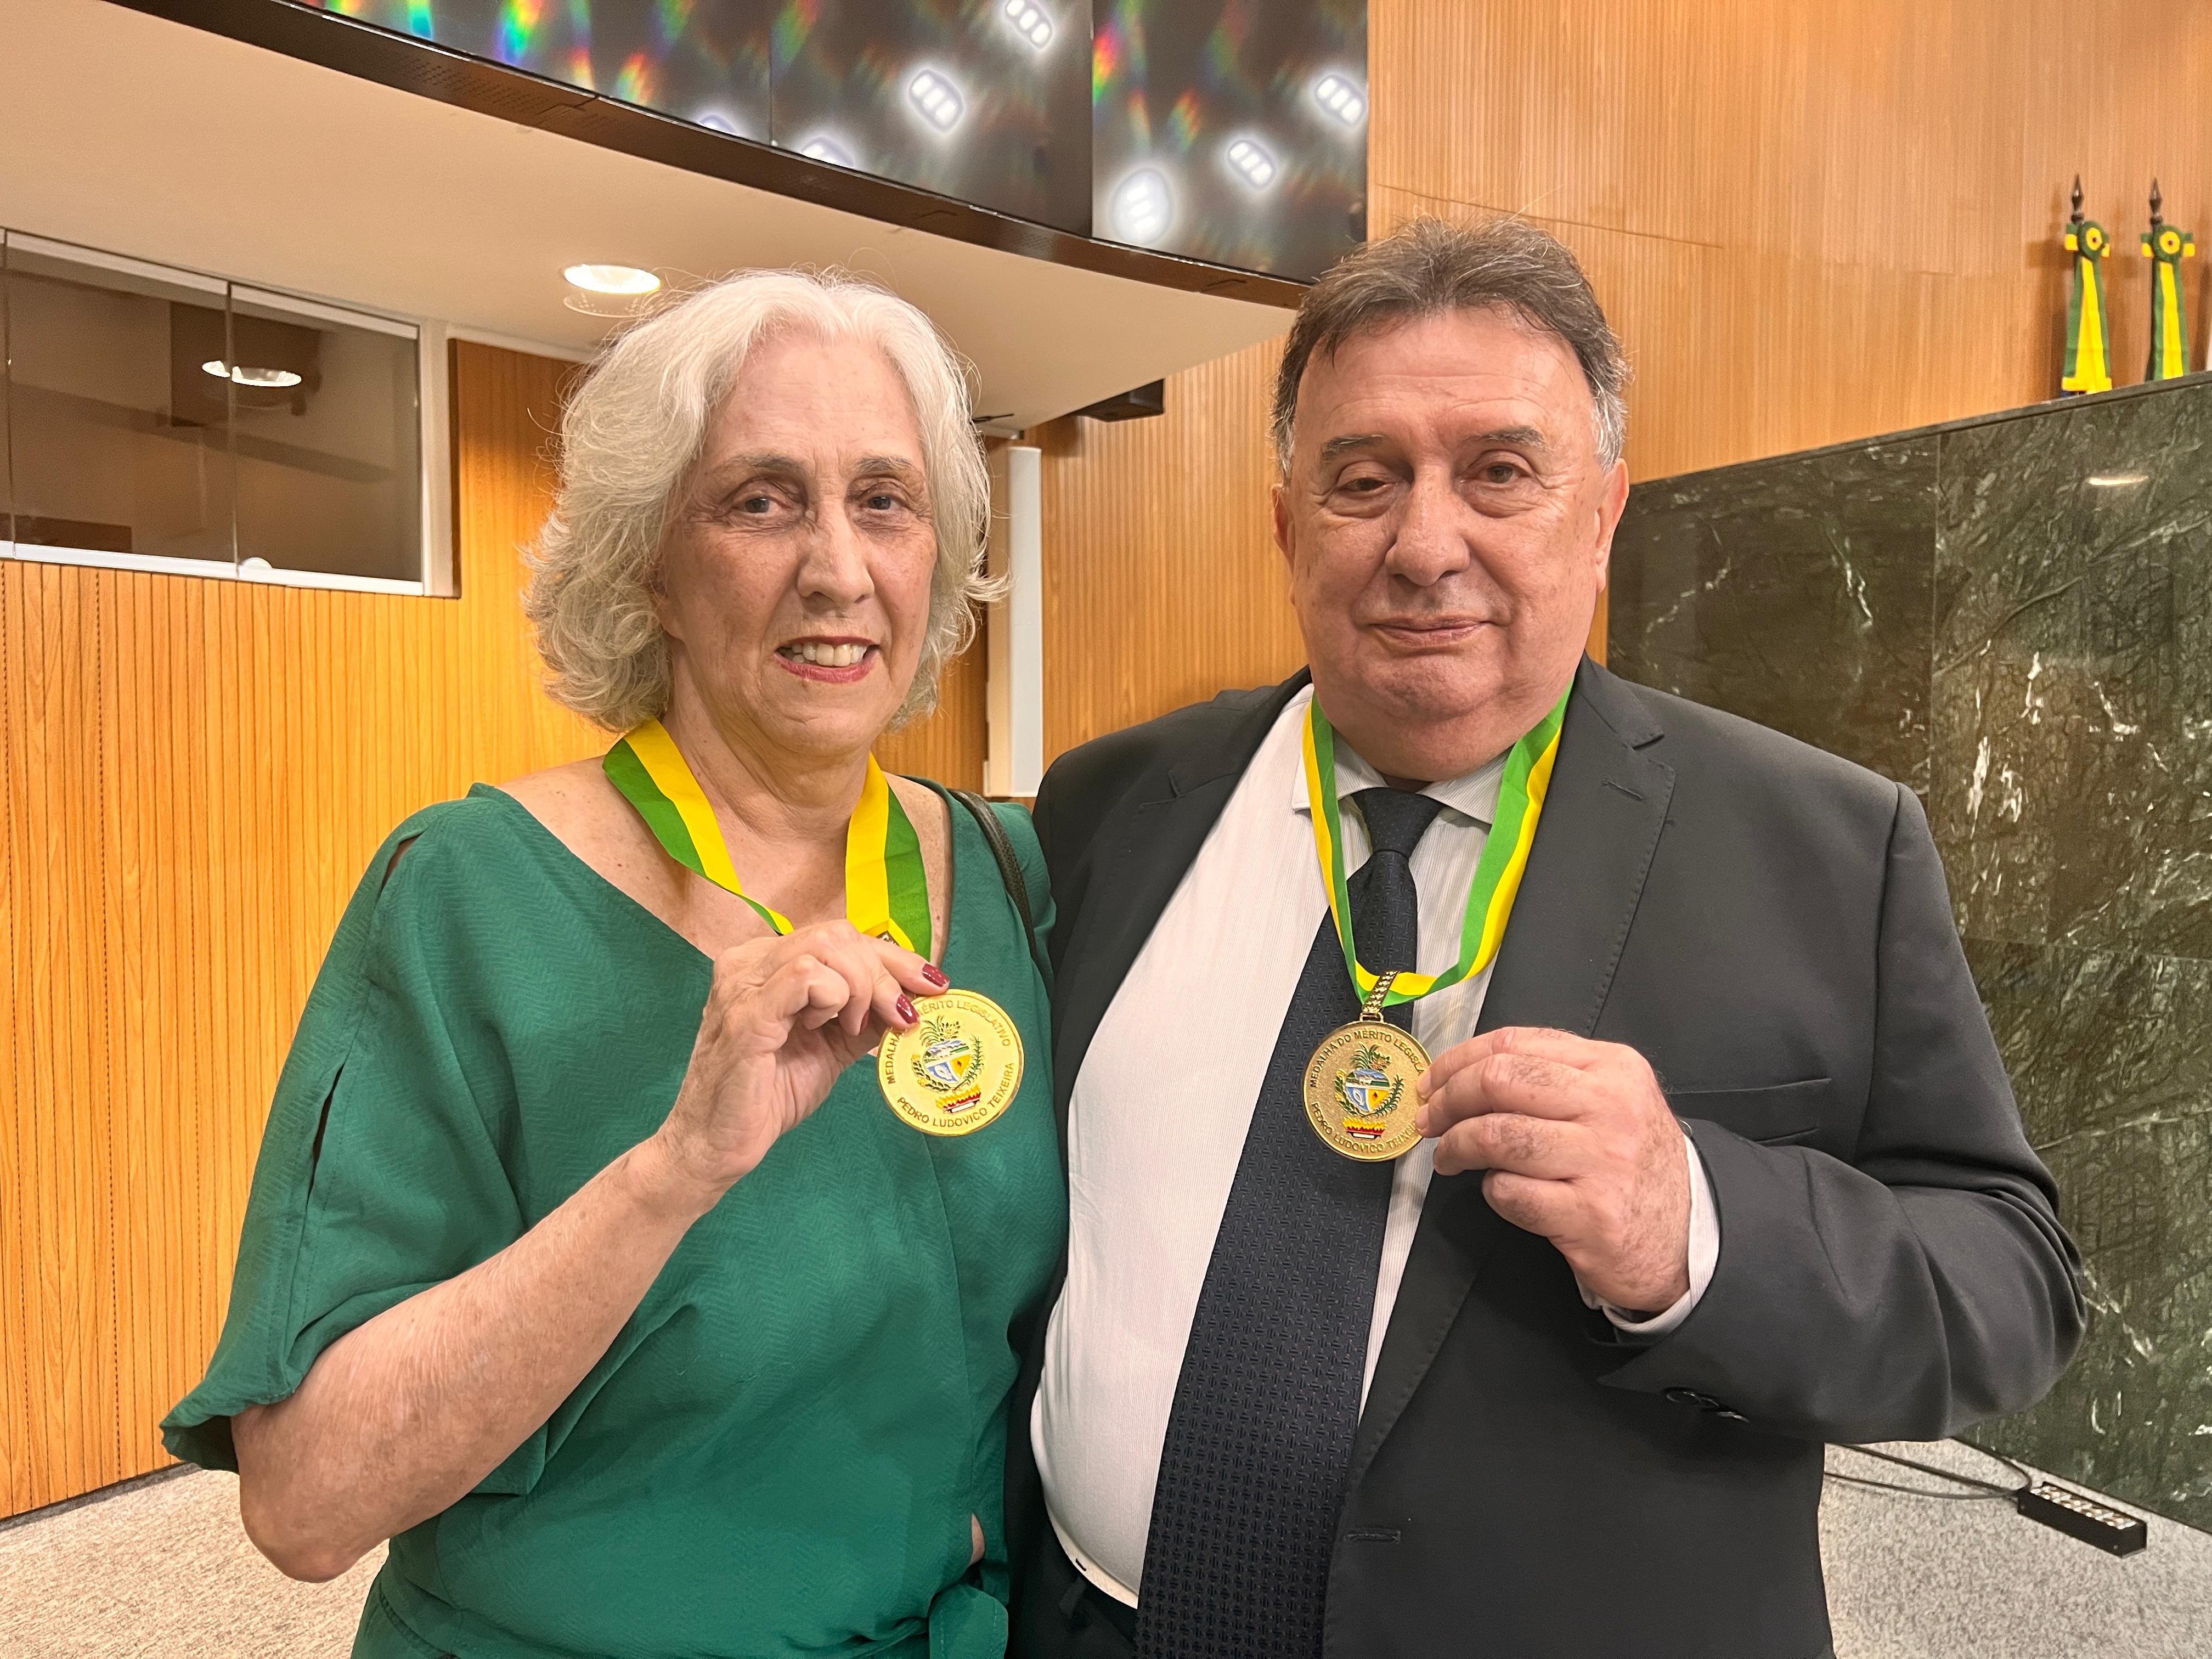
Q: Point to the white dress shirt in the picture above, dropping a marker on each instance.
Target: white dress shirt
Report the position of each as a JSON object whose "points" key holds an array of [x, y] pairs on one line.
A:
{"points": [[1160, 1112]]}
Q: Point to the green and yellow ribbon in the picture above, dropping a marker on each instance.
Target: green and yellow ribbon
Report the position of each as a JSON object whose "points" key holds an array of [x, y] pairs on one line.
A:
{"points": [[1520, 794], [2169, 315], [886, 889], [2089, 366]]}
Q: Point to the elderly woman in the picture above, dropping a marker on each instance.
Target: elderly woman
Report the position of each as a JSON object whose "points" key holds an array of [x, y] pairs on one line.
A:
{"points": [[638, 1329]]}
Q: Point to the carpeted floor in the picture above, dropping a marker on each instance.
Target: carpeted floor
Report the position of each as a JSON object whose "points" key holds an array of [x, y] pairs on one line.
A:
{"points": [[160, 1570]]}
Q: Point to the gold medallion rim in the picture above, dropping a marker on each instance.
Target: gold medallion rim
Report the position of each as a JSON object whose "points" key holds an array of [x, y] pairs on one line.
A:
{"points": [[1010, 1053], [1394, 1146]]}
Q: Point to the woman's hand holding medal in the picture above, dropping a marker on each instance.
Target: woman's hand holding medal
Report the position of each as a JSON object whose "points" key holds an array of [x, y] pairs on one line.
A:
{"points": [[786, 1015]]}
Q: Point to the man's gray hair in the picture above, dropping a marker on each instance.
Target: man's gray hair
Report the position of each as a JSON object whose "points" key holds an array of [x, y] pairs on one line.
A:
{"points": [[1429, 267], [632, 431]]}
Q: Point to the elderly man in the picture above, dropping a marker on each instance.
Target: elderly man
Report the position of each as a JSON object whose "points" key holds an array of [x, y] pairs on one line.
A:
{"points": [[1530, 1349]]}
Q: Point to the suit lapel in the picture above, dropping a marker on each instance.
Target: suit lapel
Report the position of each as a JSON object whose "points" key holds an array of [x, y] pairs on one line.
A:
{"points": [[1141, 854], [1601, 826]]}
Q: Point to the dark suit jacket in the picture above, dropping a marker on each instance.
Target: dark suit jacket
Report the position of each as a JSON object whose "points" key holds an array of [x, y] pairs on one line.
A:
{"points": [[1769, 926]]}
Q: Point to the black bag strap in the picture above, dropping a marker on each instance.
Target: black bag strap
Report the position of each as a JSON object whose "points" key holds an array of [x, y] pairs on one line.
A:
{"points": [[1010, 871]]}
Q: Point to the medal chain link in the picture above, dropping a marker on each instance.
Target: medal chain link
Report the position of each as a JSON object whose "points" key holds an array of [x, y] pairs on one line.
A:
{"points": [[1372, 1008]]}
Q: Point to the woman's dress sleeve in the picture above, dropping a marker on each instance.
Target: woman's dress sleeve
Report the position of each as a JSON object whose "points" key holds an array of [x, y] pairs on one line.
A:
{"points": [[380, 1172]]}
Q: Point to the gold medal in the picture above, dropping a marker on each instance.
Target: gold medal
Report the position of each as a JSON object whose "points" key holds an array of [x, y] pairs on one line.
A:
{"points": [[1359, 1084], [957, 1070]]}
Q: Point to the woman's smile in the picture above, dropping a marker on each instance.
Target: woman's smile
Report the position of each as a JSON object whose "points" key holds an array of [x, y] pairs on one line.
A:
{"points": [[834, 661]]}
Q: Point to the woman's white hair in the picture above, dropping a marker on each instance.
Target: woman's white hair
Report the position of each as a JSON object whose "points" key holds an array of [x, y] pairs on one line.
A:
{"points": [[634, 426]]}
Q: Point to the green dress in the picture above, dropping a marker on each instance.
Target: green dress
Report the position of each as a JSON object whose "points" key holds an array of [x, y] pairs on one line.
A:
{"points": [[780, 1453]]}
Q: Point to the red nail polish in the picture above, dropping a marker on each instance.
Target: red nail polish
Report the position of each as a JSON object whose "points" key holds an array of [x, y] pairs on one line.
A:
{"points": [[905, 1006], [934, 974]]}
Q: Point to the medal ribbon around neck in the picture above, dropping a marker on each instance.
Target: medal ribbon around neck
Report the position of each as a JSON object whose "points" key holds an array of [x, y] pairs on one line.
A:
{"points": [[886, 889], [1497, 876]]}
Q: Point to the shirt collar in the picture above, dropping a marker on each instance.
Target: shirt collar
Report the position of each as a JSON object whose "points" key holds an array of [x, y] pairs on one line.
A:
{"points": [[1471, 796]]}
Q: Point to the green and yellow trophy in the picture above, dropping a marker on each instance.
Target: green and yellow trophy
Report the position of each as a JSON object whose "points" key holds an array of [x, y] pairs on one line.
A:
{"points": [[2167, 247], [2088, 330]]}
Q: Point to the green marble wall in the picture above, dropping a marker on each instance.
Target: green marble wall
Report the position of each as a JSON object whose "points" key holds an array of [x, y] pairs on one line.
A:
{"points": [[2014, 615]]}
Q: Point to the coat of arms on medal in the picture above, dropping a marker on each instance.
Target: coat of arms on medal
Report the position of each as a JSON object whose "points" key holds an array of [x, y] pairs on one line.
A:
{"points": [[1357, 1089], [1369, 1093], [946, 1064], [955, 1070]]}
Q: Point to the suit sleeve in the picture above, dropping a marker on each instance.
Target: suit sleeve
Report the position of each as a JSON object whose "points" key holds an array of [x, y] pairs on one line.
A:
{"points": [[1923, 1285], [1059, 856]]}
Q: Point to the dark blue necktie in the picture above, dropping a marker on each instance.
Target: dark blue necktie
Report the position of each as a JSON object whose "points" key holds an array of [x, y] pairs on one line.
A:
{"points": [[1252, 1472]]}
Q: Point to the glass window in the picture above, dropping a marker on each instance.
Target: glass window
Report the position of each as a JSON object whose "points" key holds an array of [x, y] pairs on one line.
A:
{"points": [[117, 442], [327, 431], [163, 420]]}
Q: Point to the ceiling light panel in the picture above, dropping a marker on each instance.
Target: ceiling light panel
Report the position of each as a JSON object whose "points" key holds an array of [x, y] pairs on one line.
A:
{"points": [[988, 101], [1250, 161], [1144, 207], [1029, 20], [822, 148], [937, 99], [1262, 133], [1342, 97]]}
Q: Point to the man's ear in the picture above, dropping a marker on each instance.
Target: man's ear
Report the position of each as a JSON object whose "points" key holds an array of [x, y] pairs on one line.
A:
{"points": [[1279, 502], [1611, 504]]}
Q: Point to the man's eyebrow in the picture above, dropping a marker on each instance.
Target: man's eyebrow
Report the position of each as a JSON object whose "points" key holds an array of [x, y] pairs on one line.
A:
{"points": [[1337, 448], [1521, 437]]}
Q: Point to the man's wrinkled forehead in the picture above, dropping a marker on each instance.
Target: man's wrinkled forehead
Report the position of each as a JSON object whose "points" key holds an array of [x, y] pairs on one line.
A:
{"points": [[1483, 375]]}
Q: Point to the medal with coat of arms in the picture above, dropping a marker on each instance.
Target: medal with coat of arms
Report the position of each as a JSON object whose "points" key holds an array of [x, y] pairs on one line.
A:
{"points": [[957, 1069], [1359, 1084]]}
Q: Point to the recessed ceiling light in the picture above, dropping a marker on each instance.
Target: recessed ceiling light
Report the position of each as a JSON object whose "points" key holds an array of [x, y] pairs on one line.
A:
{"points": [[826, 150], [938, 100], [266, 379], [1029, 20], [1142, 206], [1341, 96], [612, 279], [1252, 163]]}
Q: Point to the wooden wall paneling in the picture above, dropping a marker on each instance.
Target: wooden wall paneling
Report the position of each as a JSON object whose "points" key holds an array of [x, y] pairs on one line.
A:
{"points": [[192, 775], [2126, 108], [1161, 581], [1881, 184], [949, 744], [1875, 133]]}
